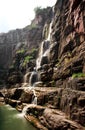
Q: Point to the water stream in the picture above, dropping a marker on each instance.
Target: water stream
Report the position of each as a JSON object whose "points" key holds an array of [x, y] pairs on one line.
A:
{"points": [[35, 98], [44, 50], [33, 78], [43, 58], [9, 120]]}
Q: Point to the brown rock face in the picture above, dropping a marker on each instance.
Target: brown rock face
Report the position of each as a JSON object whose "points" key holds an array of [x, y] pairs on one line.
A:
{"points": [[22, 95], [51, 119], [68, 32], [67, 56], [56, 120]]}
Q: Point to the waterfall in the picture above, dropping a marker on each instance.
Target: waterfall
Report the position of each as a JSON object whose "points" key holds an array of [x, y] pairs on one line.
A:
{"points": [[24, 110], [44, 51], [42, 54], [25, 78], [20, 115], [50, 29], [35, 98], [33, 78], [42, 59], [34, 101]]}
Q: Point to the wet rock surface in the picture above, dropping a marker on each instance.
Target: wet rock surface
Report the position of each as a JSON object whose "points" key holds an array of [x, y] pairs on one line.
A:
{"points": [[53, 99], [50, 119]]}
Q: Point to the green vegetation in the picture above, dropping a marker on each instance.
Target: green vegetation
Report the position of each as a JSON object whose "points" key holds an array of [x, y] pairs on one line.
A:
{"points": [[78, 75], [33, 26], [23, 57], [22, 51], [34, 50], [40, 11], [37, 10], [27, 59]]}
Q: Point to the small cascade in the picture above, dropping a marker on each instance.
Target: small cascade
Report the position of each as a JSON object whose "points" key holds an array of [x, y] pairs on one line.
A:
{"points": [[33, 78], [25, 80], [24, 110], [21, 115], [35, 98]]}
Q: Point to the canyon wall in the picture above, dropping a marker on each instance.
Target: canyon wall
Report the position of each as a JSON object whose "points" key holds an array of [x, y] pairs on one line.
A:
{"points": [[69, 34], [62, 67]]}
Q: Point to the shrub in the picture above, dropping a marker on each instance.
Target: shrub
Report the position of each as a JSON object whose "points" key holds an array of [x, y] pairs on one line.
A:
{"points": [[78, 75], [33, 26], [34, 50], [27, 59], [21, 51], [37, 10]]}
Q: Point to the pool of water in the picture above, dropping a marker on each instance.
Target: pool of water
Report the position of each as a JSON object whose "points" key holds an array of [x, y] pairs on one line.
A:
{"points": [[11, 119]]}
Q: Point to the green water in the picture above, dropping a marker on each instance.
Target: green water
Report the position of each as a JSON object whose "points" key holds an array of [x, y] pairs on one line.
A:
{"points": [[10, 119]]}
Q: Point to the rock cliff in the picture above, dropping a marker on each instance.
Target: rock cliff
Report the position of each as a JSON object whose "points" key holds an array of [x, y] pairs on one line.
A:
{"points": [[30, 36], [59, 63], [69, 33], [67, 57], [17, 44]]}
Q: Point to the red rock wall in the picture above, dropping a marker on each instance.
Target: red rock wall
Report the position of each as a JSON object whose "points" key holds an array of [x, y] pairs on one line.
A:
{"points": [[69, 33], [69, 57]]}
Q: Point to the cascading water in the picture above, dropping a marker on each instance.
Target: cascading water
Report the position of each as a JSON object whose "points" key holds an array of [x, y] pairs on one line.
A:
{"points": [[20, 115], [24, 110], [25, 78], [50, 29], [33, 78], [35, 98], [42, 59], [42, 54], [44, 51]]}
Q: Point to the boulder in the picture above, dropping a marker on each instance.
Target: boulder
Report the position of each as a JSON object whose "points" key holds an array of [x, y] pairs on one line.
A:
{"points": [[11, 102], [54, 119], [26, 97]]}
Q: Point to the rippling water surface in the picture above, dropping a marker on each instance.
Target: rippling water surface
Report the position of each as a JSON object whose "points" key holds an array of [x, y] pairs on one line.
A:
{"points": [[10, 119]]}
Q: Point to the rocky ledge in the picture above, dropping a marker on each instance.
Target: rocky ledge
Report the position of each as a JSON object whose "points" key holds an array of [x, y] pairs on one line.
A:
{"points": [[55, 108], [51, 119]]}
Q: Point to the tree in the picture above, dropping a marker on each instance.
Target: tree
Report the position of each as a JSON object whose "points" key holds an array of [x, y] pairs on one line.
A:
{"points": [[37, 10]]}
